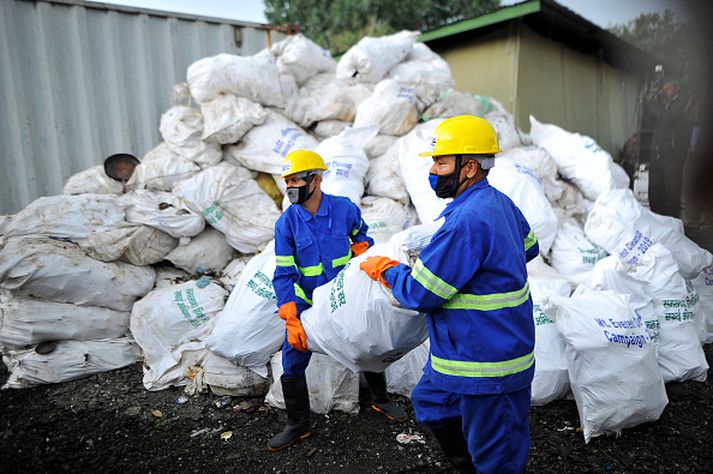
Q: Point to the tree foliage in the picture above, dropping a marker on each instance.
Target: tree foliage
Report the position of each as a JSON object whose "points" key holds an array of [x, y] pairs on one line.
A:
{"points": [[338, 24]]}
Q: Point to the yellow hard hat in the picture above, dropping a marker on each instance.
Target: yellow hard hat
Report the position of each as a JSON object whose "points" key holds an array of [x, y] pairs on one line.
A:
{"points": [[302, 160], [464, 135]]}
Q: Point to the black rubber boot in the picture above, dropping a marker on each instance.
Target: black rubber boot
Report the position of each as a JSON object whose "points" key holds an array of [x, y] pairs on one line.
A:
{"points": [[380, 399], [450, 437], [297, 406]]}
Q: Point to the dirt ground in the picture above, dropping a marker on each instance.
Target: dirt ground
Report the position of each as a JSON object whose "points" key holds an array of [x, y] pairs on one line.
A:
{"points": [[105, 424]]}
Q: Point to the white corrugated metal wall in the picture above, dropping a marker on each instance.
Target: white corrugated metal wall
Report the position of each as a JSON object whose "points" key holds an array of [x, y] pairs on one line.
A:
{"points": [[81, 81]]}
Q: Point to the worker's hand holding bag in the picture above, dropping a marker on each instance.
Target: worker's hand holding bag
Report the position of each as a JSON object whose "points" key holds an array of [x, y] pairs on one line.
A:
{"points": [[375, 266], [296, 336]]}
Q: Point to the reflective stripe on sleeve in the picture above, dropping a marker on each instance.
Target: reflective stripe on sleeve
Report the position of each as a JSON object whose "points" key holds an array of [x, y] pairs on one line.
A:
{"points": [[461, 368], [431, 282], [489, 302], [530, 240], [299, 292], [314, 270], [284, 260], [338, 262]]}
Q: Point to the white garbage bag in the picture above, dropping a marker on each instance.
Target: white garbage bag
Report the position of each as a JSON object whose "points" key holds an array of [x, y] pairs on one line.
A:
{"points": [[383, 178], [573, 255], [70, 360], [332, 387], [206, 252], [392, 107], [253, 77], [181, 128], [225, 378], [137, 245], [539, 161], [579, 158], [301, 58], [451, 103], [703, 284], [611, 361], [162, 211], [26, 321], [92, 181], [330, 128], [379, 145], [346, 162], [167, 276], [509, 136], [524, 188], [414, 171], [619, 224], [372, 58], [68, 217], [426, 71], [230, 275], [551, 381], [385, 217], [353, 321], [60, 271], [403, 375], [325, 97], [231, 201], [248, 331], [161, 169], [265, 146], [228, 117], [172, 320]]}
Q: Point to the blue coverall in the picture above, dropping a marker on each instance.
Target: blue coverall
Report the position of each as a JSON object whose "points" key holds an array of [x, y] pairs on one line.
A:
{"points": [[471, 280], [310, 251]]}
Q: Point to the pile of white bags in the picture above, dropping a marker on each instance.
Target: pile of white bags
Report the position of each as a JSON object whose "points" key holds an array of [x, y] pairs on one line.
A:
{"points": [[372, 58]]}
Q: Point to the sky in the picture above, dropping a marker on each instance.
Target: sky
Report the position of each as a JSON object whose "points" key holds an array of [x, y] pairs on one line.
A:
{"points": [[600, 12]]}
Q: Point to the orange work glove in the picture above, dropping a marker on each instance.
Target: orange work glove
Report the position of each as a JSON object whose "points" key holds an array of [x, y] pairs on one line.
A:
{"points": [[296, 336], [375, 266], [359, 248]]}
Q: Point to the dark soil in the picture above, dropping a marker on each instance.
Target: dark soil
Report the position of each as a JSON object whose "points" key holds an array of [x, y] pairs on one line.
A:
{"points": [[105, 424]]}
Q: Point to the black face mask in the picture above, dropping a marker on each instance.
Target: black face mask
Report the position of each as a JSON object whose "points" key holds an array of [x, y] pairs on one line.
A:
{"points": [[299, 194], [446, 185]]}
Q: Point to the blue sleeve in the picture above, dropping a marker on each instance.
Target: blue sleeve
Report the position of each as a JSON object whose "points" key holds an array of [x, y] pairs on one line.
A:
{"points": [[441, 270], [359, 228], [286, 274], [532, 247]]}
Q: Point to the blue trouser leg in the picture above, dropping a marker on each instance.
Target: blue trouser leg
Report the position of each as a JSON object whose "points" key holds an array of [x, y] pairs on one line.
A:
{"points": [[495, 427], [294, 362]]}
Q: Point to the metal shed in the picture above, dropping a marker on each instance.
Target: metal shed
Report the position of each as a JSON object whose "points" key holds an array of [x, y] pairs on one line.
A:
{"points": [[539, 58], [80, 81]]}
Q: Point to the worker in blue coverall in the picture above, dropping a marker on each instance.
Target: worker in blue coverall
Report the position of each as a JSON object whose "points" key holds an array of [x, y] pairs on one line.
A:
{"points": [[314, 239], [471, 280]]}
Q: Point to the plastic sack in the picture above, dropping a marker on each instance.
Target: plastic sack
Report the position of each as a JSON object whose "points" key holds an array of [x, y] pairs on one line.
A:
{"points": [[324, 97], [225, 378], [346, 162], [551, 381], [332, 387], [611, 361], [414, 171], [169, 321], [330, 128], [206, 252], [181, 128], [540, 162], [67, 217], [137, 245], [26, 321], [301, 58], [524, 188], [509, 136], [92, 181], [426, 71], [619, 224], [227, 118], [232, 202], [253, 77], [248, 331], [60, 271], [372, 58], [162, 211], [451, 103], [70, 360], [161, 169], [383, 178], [403, 375], [573, 255], [379, 145], [385, 217], [265, 146], [579, 158], [392, 107], [703, 284], [230, 275]]}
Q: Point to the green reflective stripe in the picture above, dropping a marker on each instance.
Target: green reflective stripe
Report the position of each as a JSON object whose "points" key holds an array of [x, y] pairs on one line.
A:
{"points": [[284, 260], [431, 282], [489, 302], [356, 231], [312, 271], [530, 240], [461, 368], [301, 294], [337, 262]]}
